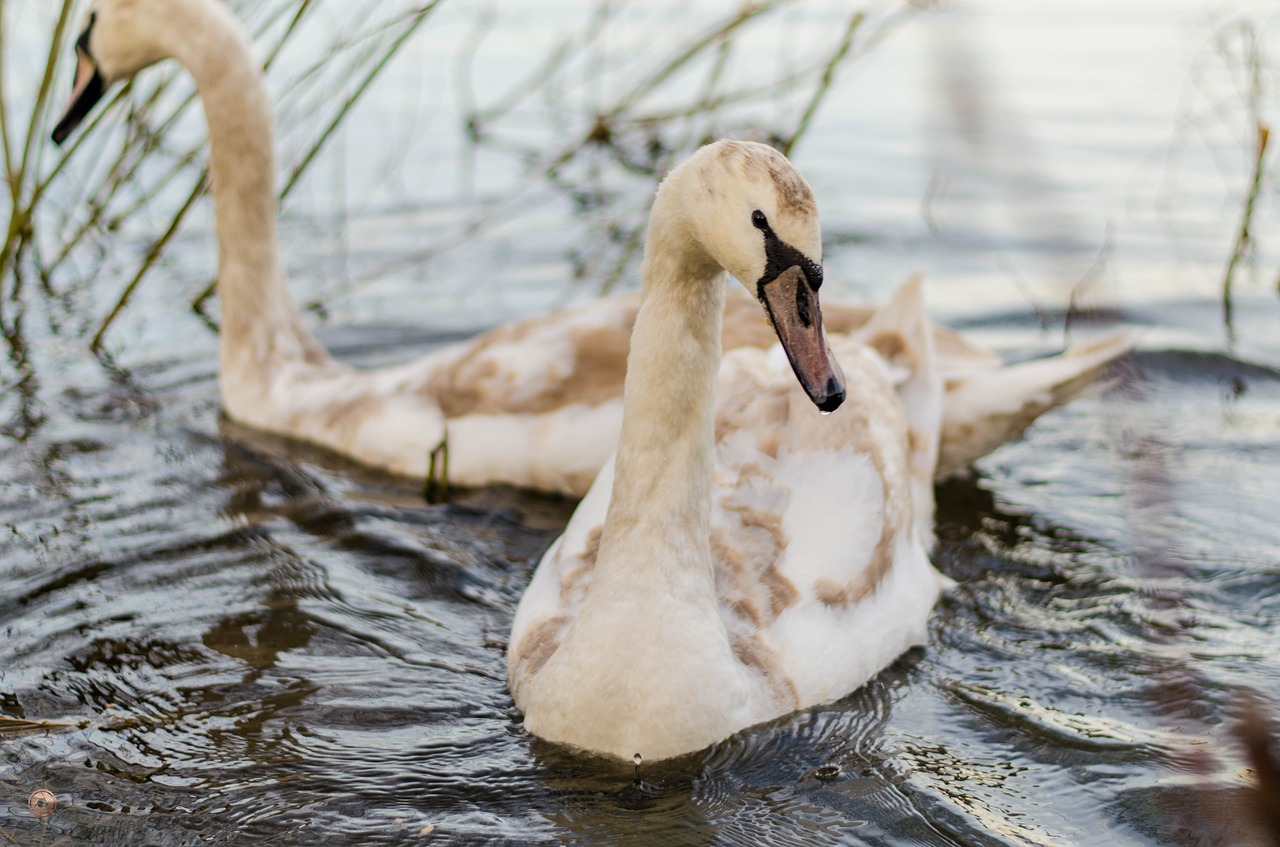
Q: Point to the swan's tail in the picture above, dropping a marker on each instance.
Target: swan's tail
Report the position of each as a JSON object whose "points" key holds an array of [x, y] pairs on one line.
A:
{"points": [[989, 406]]}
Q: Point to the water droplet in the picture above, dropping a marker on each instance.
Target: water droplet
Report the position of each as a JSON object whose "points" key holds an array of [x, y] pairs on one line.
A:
{"points": [[42, 803], [825, 412], [826, 773]]}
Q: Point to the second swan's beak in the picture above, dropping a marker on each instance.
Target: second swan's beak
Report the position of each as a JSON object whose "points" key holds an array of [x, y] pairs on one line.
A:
{"points": [[792, 306], [85, 92]]}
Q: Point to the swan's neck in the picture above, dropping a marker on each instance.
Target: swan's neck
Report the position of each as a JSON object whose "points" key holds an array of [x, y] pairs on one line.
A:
{"points": [[646, 666], [658, 519], [259, 319]]}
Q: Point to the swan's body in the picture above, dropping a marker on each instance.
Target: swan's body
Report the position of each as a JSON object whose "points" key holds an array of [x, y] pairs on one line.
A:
{"points": [[743, 556], [536, 403]]}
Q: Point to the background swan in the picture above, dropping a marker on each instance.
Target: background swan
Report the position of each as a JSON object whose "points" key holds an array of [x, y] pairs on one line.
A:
{"points": [[744, 556], [536, 403]]}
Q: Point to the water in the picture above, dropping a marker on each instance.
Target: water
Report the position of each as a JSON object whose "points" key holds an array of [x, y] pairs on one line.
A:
{"points": [[234, 639]]}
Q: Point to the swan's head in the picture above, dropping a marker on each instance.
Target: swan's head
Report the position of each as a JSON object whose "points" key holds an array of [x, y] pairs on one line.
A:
{"points": [[119, 38], [750, 212]]}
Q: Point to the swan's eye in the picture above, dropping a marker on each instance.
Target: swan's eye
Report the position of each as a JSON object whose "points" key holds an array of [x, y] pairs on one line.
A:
{"points": [[758, 220]]}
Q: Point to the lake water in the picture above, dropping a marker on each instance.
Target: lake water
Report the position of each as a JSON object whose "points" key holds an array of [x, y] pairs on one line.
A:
{"points": [[239, 640]]}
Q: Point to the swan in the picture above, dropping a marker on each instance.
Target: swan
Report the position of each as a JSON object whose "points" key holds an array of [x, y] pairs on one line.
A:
{"points": [[536, 403], [742, 556]]}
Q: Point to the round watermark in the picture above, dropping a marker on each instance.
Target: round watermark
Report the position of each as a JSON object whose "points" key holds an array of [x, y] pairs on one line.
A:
{"points": [[42, 803]]}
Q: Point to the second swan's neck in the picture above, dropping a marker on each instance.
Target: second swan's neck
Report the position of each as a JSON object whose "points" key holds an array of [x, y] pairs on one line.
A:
{"points": [[662, 483], [259, 319]]}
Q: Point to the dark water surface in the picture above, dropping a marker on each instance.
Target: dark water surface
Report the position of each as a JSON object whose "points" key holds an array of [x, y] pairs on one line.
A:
{"points": [[224, 638], [243, 641]]}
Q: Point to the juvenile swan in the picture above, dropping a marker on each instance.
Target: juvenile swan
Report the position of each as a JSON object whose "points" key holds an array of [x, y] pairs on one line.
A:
{"points": [[532, 404], [536, 403], [746, 557]]}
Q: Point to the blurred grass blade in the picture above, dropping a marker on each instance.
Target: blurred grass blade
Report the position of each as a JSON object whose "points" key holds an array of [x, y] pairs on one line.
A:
{"points": [[153, 254], [416, 19], [824, 85], [1243, 237]]}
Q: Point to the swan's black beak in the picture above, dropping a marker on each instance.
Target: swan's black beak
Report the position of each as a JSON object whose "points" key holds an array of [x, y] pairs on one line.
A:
{"points": [[791, 301], [86, 90]]}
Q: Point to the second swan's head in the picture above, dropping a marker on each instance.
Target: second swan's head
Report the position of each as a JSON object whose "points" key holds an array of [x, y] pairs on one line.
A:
{"points": [[121, 37], [750, 212]]}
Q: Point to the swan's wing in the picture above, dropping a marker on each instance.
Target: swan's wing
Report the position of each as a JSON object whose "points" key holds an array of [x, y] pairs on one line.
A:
{"points": [[559, 585], [821, 523], [955, 353], [985, 408], [534, 403], [901, 333], [570, 357], [746, 326]]}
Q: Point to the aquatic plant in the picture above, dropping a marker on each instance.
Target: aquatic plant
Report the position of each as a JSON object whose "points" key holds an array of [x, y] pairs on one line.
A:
{"points": [[1240, 51], [647, 109], [1228, 108], [115, 186], [669, 99]]}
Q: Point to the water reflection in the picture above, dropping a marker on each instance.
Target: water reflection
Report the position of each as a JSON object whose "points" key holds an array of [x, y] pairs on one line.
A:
{"points": [[22, 388]]}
